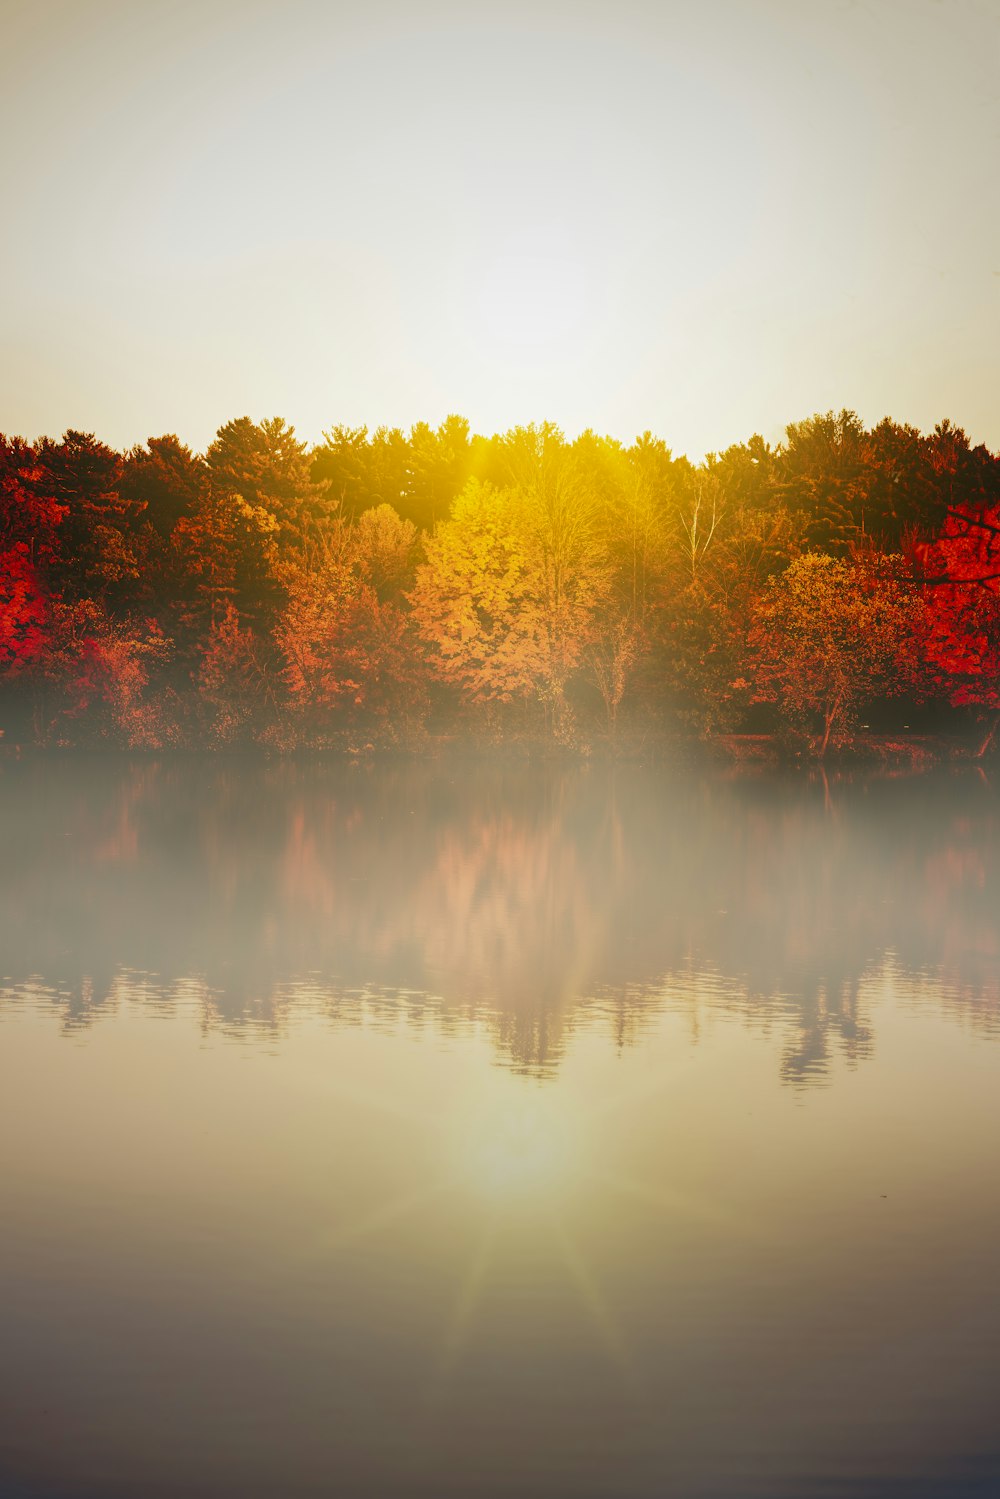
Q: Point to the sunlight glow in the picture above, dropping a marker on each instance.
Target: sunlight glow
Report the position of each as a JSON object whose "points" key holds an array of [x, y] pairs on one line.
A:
{"points": [[616, 217], [531, 294], [522, 1151]]}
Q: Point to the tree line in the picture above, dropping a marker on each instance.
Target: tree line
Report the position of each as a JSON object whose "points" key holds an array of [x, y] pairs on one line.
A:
{"points": [[402, 588]]}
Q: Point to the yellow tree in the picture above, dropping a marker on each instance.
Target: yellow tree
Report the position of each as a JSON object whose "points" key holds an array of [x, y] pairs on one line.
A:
{"points": [[505, 606], [567, 548], [475, 598], [384, 549]]}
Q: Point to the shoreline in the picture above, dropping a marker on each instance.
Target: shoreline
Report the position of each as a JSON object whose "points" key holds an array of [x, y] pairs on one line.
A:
{"points": [[751, 751]]}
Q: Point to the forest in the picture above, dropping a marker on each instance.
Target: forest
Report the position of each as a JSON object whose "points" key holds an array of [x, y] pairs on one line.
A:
{"points": [[384, 589]]}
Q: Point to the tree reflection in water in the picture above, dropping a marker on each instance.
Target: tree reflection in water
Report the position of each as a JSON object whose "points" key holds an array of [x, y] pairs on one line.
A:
{"points": [[525, 900]]}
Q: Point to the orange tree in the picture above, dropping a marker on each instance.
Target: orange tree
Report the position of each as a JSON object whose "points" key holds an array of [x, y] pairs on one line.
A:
{"points": [[831, 634], [346, 653]]}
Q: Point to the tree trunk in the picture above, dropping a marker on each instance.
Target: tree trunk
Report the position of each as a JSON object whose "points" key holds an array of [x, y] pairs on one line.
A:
{"points": [[826, 736], [991, 734], [831, 718]]}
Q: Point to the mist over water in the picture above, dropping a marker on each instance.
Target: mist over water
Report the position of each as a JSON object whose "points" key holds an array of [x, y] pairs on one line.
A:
{"points": [[524, 901], [469, 1128]]}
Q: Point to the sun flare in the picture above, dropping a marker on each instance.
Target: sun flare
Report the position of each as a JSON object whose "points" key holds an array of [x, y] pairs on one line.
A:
{"points": [[527, 1150]]}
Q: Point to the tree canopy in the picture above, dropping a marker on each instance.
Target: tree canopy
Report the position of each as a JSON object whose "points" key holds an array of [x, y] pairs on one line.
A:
{"points": [[384, 586]]}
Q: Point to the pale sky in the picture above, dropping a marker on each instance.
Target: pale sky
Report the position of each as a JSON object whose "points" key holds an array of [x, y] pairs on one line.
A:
{"points": [[702, 218]]}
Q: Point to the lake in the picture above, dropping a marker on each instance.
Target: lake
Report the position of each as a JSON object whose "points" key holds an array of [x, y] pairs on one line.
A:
{"points": [[478, 1130]]}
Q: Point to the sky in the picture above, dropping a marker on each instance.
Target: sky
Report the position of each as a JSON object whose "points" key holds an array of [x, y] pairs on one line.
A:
{"points": [[704, 219]]}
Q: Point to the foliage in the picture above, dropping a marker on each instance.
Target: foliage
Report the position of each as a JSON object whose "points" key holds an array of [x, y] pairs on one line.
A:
{"points": [[475, 599], [346, 653], [578, 590], [829, 635], [24, 613], [234, 683]]}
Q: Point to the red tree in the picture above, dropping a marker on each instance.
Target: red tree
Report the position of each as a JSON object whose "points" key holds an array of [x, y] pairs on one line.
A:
{"points": [[963, 592]]}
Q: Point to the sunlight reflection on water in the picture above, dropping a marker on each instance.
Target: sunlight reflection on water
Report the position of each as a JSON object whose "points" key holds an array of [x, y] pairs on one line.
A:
{"points": [[428, 1131]]}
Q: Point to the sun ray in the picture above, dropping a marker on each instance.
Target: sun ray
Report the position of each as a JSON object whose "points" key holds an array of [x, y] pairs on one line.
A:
{"points": [[391, 1211], [602, 1319], [467, 1303], [679, 1204]]}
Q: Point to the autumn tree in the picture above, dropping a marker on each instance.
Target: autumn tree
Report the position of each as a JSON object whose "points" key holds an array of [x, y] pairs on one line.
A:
{"points": [[611, 658], [167, 486], [962, 505], [419, 475], [347, 656], [639, 492], [25, 616], [559, 513], [822, 478], [509, 592], [476, 597], [265, 467], [830, 634], [730, 535], [439, 464], [342, 463], [258, 508], [235, 681], [963, 604], [31, 511], [384, 548], [263, 588], [29, 522], [96, 556], [163, 480], [359, 470], [95, 679]]}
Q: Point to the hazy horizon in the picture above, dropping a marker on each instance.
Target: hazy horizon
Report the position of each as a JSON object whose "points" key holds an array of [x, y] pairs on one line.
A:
{"points": [[704, 221]]}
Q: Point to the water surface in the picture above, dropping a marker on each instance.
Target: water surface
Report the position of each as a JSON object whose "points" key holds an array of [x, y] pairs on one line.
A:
{"points": [[468, 1131]]}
